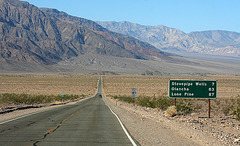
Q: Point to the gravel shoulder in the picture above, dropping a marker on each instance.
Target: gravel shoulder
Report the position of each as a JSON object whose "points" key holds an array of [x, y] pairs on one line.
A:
{"points": [[149, 127]]}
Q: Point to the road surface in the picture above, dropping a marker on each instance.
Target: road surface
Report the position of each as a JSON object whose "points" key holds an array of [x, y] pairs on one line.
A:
{"points": [[89, 122]]}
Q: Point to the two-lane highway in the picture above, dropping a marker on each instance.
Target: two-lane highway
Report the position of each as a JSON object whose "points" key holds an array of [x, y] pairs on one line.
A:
{"points": [[89, 122]]}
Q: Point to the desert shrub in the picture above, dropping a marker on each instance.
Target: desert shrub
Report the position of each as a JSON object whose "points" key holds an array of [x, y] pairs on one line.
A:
{"points": [[226, 109], [171, 111], [217, 101], [124, 98], [185, 108], [236, 112], [145, 101], [197, 106], [67, 97], [12, 98], [163, 102]]}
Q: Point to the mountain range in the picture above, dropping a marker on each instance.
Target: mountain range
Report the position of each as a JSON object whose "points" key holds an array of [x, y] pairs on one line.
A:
{"points": [[36, 39], [47, 36], [215, 42]]}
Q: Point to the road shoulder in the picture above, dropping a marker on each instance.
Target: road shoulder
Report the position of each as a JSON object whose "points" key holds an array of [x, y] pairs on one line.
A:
{"points": [[149, 127]]}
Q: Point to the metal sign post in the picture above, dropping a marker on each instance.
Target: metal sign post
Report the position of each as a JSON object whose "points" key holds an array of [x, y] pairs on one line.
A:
{"points": [[197, 89], [209, 108]]}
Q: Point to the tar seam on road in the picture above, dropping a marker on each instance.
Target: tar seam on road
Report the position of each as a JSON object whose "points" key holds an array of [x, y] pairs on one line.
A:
{"points": [[124, 129], [54, 129]]}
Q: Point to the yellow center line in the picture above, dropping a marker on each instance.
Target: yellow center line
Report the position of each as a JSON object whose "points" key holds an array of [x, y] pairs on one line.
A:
{"points": [[64, 120], [62, 123], [50, 130]]}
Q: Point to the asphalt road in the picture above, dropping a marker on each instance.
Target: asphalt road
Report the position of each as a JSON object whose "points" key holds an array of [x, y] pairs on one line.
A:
{"points": [[89, 122]]}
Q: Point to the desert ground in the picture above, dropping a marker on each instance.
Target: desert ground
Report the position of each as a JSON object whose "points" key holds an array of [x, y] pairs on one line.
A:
{"points": [[48, 84], [222, 126], [228, 85]]}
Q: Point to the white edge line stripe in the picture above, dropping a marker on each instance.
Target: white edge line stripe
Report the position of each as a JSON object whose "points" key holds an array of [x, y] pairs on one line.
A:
{"points": [[23, 116], [124, 129], [30, 114], [20, 117]]}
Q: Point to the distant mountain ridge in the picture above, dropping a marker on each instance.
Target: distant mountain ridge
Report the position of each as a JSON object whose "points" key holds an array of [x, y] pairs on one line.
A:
{"points": [[216, 42], [125, 41], [47, 36]]}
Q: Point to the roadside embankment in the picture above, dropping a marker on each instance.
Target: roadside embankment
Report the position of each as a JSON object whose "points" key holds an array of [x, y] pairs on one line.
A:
{"points": [[150, 127]]}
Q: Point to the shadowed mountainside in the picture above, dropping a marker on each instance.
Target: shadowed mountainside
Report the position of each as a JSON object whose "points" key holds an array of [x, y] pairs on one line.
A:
{"points": [[47, 36], [130, 43]]}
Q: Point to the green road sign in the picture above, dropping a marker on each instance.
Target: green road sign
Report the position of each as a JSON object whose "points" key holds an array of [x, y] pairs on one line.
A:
{"points": [[192, 89]]}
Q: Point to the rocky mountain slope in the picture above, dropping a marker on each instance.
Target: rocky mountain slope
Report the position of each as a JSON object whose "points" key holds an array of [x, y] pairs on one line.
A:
{"points": [[143, 49], [214, 42], [47, 36], [46, 40]]}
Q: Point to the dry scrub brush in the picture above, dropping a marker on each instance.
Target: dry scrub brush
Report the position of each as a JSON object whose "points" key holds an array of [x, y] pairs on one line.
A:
{"points": [[171, 111], [12, 98]]}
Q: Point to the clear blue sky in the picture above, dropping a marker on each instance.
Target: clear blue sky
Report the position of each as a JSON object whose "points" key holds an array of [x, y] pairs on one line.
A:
{"points": [[186, 15]]}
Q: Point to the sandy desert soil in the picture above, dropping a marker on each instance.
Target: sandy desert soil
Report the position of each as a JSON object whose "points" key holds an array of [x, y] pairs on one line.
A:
{"points": [[228, 85], [151, 127], [196, 128], [48, 84], [220, 127]]}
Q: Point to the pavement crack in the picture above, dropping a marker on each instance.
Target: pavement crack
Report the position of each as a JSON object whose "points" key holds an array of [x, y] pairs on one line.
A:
{"points": [[35, 143], [60, 124], [47, 133], [31, 122]]}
